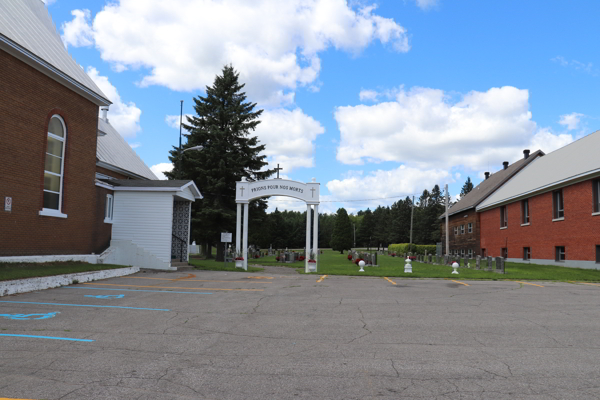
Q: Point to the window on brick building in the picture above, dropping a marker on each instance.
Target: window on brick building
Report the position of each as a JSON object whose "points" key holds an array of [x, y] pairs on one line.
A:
{"points": [[504, 252], [503, 217], [557, 204], [456, 230], [526, 253], [462, 229], [596, 186], [108, 211], [483, 253], [470, 253], [470, 230], [525, 211], [54, 167], [597, 254], [560, 253], [462, 252]]}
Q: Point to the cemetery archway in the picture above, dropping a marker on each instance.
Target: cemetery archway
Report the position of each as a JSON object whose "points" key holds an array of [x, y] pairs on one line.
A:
{"points": [[247, 191]]}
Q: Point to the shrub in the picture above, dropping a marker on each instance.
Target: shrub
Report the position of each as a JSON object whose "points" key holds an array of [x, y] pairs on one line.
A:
{"points": [[401, 248]]}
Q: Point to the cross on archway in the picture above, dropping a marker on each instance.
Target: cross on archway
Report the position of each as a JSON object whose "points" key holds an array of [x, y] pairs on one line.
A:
{"points": [[278, 169]]}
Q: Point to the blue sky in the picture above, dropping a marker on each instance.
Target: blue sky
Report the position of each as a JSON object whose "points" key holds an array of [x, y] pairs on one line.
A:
{"points": [[374, 99]]}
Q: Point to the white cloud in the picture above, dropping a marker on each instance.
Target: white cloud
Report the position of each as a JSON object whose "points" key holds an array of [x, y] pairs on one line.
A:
{"points": [[427, 4], [588, 67], [48, 2], [125, 117], [160, 168], [424, 129], [173, 120], [546, 141], [289, 137], [571, 121], [402, 181], [78, 31], [135, 145], [368, 95], [274, 44]]}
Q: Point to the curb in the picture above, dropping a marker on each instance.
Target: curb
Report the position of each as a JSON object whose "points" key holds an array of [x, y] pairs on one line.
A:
{"points": [[47, 282]]}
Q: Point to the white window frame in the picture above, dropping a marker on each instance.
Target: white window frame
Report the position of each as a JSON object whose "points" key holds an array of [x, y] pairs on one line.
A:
{"points": [[470, 227], [456, 230], [470, 253], [50, 212], [462, 229], [109, 209], [462, 252]]}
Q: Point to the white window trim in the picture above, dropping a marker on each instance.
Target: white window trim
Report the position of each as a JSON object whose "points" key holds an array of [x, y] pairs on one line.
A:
{"points": [[558, 219], [596, 213], [109, 220], [50, 212], [470, 227], [527, 224]]}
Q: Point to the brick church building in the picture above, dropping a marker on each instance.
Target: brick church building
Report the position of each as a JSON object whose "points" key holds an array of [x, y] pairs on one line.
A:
{"points": [[548, 213], [69, 183]]}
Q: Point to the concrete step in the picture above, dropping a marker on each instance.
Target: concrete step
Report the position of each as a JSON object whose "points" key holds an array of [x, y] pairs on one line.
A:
{"points": [[179, 264]]}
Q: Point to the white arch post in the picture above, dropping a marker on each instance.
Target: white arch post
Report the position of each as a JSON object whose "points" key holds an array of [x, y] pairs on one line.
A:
{"points": [[247, 191]]}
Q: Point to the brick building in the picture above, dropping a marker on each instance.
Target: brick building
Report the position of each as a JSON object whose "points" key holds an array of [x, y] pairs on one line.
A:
{"points": [[62, 168], [464, 222], [550, 212]]}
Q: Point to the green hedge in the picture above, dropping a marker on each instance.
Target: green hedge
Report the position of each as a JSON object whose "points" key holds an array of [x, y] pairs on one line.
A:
{"points": [[420, 249]]}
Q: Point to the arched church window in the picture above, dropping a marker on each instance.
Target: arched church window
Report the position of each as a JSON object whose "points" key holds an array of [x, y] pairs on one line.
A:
{"points": [[54, 167]]}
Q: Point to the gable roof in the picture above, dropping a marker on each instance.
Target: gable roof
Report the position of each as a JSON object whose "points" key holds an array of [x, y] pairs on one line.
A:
{"points": [[154, 186], [488, 186], [570, 164], [28, 33], [113, 150]]}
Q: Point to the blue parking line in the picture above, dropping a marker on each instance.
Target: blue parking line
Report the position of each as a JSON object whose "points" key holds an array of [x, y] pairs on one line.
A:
{"points": [[48, 337], [84, 305], [131, 290]]}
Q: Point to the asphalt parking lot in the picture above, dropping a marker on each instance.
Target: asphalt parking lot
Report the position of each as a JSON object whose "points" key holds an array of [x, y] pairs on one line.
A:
{"points": [[218, 335]]}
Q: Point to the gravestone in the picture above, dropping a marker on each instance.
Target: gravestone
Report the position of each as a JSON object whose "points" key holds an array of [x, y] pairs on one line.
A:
{"points": [[500, 265], [489, 264], [374, 256], [464, 261], [430, 259], [478, 263]]}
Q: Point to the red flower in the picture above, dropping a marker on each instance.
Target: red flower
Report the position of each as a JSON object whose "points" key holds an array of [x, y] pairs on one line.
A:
{"points": [[358, 260], [312, 261], [239, 259], [349, 256]]}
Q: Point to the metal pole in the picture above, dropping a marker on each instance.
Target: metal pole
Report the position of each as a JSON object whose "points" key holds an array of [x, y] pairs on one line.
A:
{"points": [[447, 237], [354, 226], [412, 211], [180, 154]]}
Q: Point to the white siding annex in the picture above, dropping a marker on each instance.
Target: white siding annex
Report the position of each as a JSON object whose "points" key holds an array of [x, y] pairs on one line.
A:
{"points": [[146, 219]]}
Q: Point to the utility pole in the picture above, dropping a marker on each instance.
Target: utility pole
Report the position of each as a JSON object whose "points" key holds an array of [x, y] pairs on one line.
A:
{"points": [[412, 211], [447, 237], [354, 226], [180, 153]]}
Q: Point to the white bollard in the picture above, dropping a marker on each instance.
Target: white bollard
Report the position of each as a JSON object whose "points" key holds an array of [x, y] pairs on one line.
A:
{"points": [[408, 266], [361, 264], [455, 266]]}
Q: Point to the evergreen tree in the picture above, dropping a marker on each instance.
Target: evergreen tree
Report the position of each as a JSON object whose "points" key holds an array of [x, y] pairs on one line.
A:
{"points": [[342, 232], [222, 125], [364, 233], [467, 187]]}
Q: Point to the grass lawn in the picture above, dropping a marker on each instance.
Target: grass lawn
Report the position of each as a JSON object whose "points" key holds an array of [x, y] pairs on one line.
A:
{"points": [[23, 270], [334, 263], [212, 265]]}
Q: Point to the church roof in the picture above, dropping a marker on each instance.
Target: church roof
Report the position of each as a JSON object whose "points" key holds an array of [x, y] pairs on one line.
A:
{"points": [[488, 186], [155, 186], [113, 150], [570, 164], [28, 33]]}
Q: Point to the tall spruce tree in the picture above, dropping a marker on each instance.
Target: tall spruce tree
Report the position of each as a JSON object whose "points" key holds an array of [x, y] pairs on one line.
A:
{"points": [[467, 187], [222, 125], [342, 232]]}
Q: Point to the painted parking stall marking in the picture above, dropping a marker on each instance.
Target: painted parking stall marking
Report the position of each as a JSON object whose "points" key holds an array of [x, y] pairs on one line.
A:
{"points": [[105, 296], [26, 317], [187, 280], [46, 337], [462, 283], [531, 284], [389, 280], [84, 305], [132, 290], [321, 279], [178, 287]]}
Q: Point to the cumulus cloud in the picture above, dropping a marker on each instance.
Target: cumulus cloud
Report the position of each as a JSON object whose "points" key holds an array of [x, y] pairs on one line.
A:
{"points": [[571, 121], [125, 117], [402, 181], [78, 31], [427, 4], [135, 145], [173, 120], [289, 137], [48, 2], [274, 44], [425, 129], [545, 140], [160, 169]]}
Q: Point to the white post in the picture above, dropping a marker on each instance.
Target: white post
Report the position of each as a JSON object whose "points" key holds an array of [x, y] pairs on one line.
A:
{"points": [[316, 234], [238, 228], [245, 255], [308, 208]]}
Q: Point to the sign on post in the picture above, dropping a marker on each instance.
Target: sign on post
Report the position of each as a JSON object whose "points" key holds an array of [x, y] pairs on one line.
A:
{"points": [[7, 203], [226, 237]]}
